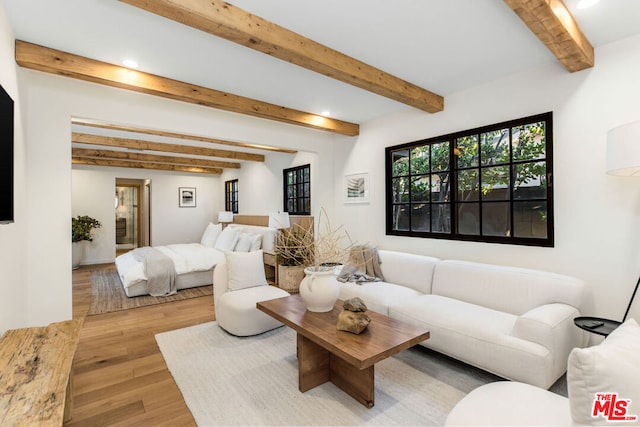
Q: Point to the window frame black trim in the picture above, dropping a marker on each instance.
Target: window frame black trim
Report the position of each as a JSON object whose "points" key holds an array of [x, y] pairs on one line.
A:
{"points": [[285, 187], [231, 202], [453, 235]]}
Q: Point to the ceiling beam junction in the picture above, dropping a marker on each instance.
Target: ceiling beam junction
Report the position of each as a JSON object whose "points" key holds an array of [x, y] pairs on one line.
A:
{"points": [[153, 158], [188, 137], [110, 141]]}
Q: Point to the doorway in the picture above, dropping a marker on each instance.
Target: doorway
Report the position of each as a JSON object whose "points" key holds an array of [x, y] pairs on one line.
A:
{"points": [[132, 214]]}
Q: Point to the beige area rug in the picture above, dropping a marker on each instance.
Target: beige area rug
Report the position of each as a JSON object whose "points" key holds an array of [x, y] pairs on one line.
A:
{"points": [[107, 294], [226, 380]]}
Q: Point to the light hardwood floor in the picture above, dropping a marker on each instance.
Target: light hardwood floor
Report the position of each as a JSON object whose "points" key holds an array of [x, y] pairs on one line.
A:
{"points": [[120, 377]]}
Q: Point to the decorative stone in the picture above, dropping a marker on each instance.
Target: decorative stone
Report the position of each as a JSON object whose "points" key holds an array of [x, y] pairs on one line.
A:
{"points": [[355, 305], [354, 322]]}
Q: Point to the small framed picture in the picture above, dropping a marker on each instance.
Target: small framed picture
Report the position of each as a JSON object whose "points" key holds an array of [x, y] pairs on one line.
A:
{"points": [[356, 188], [187, 197]]}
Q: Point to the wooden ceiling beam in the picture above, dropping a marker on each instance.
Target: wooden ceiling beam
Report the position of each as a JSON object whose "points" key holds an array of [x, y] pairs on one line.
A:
{"points": [[110, 141], [553, 24], [153, 158], [53, 61], [239, 26], [143, 165], [187, 137]]}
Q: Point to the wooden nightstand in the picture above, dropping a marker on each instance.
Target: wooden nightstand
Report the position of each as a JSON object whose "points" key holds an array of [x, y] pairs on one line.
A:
{"points": [[270, 268]]}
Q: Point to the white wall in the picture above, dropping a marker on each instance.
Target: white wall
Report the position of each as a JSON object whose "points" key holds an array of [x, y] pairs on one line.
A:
{"points": [[93, 191], [51, 101], [13, 237], [597, 216]]}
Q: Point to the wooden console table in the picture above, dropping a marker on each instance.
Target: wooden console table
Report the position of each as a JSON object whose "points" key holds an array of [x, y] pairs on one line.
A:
{"points": [[36, 383]]}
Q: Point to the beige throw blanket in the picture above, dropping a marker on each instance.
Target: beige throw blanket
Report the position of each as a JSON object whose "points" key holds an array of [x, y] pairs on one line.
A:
{"points": [[363, 265], [161, 273]]}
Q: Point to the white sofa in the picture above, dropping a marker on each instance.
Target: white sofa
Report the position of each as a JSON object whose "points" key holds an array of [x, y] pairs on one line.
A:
{"points": [[608, 368], [516, 323]]}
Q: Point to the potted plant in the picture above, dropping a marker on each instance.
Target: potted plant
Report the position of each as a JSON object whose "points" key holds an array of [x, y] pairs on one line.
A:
{"points": [[81, 228], [292, 253], [317, 256]]}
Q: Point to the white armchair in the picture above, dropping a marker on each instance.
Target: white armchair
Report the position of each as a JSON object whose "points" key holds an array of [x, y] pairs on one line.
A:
{"points": [[238, 284]]}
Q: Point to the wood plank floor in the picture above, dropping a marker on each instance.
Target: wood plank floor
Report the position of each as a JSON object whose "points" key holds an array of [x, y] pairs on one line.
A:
{"points": [[120, 377]]}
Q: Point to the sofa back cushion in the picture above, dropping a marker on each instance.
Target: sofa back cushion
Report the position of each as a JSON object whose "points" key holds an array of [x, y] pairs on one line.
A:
{"points": [[410, 270], [509, 289]]}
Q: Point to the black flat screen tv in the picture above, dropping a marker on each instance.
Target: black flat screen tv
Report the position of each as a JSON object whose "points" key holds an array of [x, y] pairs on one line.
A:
{"points": [[6, 157]]}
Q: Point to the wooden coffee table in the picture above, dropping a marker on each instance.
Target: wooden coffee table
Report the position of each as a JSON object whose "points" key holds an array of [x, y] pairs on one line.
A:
{"points": [[345, 359]]}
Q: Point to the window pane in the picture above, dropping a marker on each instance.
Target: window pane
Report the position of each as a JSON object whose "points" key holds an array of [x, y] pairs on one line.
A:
{"points": [[496, 219], [420, 159], [440, 156], [306, 189], [440, 187], [530, 219], [530, 181], [529, 141], [495, 183], [306, 205], [468, 218], [400, 219], [494, 147], [291, 178], [400, 189], [291, 205], [467, 151], [291, 191], [400, 163], [420, 217], [306, 174], [440, 218], [420, 188], [468, 183]]}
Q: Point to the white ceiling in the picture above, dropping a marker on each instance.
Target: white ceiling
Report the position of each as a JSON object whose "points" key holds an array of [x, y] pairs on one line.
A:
{"points": [[441, 45]]}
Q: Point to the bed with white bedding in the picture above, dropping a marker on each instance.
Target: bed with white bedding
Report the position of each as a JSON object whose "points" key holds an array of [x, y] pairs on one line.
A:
{"points": [[194, 262]]}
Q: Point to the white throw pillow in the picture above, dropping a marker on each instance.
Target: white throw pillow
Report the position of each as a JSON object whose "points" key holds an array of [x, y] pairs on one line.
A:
{"points": [[211, 234], [611, 367], [227, 239], [256, 242], [244, 243], [245, 270]]}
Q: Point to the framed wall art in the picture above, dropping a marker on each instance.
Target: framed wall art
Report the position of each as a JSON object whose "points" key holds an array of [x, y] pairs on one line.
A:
{"points": [[187, 197], [356, 188]]}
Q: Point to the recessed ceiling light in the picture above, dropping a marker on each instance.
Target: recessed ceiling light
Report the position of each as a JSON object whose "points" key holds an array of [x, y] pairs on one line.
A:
{"points": [[326, 113], [130, 63], [585, 4]]}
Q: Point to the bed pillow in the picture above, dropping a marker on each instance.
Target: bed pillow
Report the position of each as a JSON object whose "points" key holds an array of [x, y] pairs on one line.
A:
{"points": [[248, 242], [611, 367], [211, 234], [245, 270], [227, 239]]}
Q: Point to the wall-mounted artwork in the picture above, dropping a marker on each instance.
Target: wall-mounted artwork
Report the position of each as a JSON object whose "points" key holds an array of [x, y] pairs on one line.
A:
{"points": [[356, 188], [187, 197]]}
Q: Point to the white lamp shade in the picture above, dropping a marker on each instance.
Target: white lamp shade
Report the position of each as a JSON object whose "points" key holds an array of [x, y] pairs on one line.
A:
{"points": [[623, 150], [279, 220], [225, 216]]}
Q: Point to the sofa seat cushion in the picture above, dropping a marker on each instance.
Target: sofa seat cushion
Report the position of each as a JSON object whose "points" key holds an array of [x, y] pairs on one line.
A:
{"points": [[479, 336], [505, 403], [377, 295]]}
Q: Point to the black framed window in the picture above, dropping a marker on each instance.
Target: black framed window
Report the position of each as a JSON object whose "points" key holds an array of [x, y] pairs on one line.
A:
{"points": [[490, 184], [297, 190], [231, 196]]}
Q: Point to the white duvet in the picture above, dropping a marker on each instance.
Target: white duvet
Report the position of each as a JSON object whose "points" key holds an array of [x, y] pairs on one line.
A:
{"points": [[187, 258]]}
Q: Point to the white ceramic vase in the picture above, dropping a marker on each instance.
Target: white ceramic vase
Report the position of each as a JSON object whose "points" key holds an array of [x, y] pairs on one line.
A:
{"points": [[319, 290], [76, 254]]}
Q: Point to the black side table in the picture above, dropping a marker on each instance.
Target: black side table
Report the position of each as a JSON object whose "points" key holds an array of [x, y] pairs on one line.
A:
{"points": [[596, 325]]}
